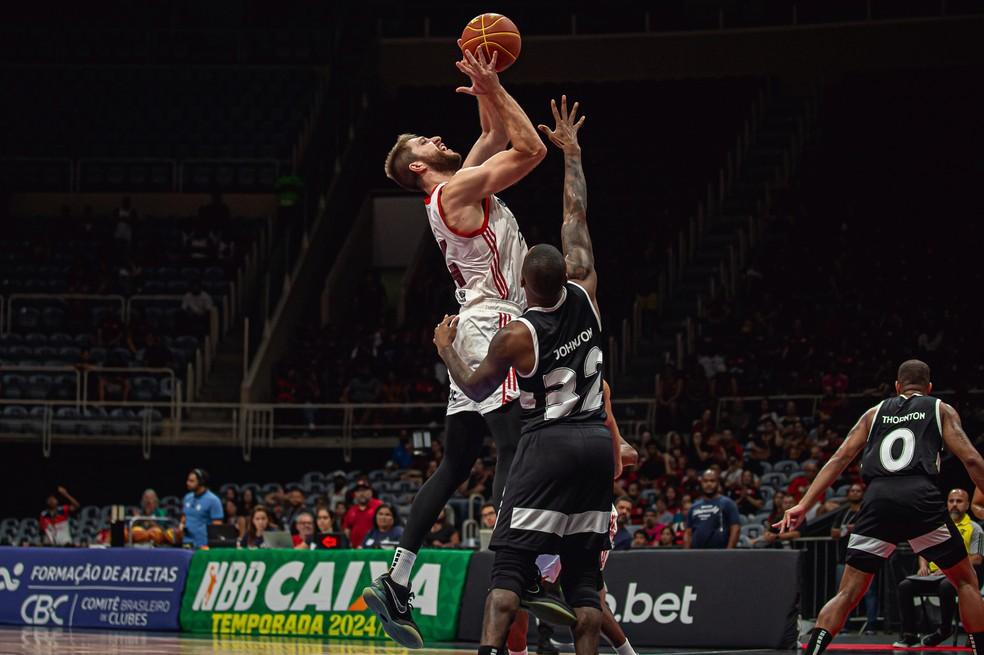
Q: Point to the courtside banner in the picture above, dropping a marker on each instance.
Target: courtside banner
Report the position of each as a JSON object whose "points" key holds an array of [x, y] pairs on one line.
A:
{"points": [[315, 592], [113, 589], [707, 598]]}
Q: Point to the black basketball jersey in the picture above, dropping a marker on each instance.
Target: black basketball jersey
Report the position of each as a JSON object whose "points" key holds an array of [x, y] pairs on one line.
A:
{"points": [[906, 438], [565, 384]]}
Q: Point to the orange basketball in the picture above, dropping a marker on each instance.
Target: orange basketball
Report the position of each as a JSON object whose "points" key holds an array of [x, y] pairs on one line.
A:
{"points": [[493, 33]]}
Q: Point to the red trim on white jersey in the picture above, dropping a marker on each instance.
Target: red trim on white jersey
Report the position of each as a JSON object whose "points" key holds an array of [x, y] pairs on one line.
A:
{"points": [[497, 276], [486, 204]]}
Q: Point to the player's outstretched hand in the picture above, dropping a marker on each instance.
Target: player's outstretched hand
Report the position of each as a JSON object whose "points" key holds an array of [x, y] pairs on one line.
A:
{"points": [[445, 332], [564, 134], [482, 73], [791, 519]]}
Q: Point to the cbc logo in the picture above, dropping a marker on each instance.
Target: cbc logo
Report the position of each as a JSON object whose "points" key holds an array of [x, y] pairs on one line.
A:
{"points": [[41, 609]]}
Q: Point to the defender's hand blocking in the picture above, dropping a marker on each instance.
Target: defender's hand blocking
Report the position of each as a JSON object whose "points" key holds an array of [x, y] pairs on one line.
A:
{"points": [[791, 519], [445, 332], [482, 73], [564, 134]]}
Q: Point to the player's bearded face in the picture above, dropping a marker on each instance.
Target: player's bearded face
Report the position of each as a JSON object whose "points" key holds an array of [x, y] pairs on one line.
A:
{"points": [[442, 161]]}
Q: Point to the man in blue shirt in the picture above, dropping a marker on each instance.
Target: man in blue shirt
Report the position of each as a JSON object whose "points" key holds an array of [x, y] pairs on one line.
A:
{"points": [[201, 507], [713, 520]]}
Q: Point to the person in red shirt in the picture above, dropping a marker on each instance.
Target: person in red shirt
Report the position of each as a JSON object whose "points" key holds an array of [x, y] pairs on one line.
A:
{"points": [[799, 484], [358, 519], [54, 520]]}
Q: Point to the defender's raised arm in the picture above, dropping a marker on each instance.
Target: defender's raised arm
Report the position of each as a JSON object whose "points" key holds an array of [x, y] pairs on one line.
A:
{"points": [[575, 239]]}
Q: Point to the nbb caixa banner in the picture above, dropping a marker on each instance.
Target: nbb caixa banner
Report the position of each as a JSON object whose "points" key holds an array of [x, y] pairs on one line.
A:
{"points": [[127, 588], [314, 592]]}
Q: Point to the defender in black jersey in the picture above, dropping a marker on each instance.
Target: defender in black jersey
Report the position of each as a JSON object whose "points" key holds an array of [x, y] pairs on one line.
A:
{"points": [[558, 497], [902, 438]]}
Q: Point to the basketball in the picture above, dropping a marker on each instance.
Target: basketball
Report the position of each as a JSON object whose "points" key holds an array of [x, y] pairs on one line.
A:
{"points": [[493, 33]]}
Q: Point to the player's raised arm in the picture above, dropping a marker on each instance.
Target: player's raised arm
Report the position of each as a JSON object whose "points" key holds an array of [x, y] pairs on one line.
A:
{"points": [[574, 235], [493, 138], [853, 444], [512, 346], [957, 443], [503, 169]]}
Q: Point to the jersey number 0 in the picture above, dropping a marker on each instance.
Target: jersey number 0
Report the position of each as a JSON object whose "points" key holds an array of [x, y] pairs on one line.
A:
{"points": [[561, 382], [891, 463]]}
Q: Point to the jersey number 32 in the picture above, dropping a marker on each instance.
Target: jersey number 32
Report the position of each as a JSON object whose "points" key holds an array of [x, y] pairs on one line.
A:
{"points": [[560, 384]]}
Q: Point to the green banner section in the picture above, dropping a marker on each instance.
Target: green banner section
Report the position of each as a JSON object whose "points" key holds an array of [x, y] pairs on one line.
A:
{"points": [[315, 592]]}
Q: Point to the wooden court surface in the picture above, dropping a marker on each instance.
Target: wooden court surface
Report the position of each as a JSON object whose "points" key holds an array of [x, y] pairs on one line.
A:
{"points": [[47, 641]]}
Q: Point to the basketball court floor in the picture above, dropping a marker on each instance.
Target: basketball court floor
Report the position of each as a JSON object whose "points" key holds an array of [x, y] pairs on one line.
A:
{"points": [[47, 641]]}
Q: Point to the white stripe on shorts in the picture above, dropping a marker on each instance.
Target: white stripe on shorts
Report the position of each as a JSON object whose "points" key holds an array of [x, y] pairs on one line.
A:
{"points": [[558, 523], [871, 545], [932, 538]]}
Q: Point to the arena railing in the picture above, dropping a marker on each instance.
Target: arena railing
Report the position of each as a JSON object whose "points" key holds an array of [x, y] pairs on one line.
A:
{"points": [[344, 426]]}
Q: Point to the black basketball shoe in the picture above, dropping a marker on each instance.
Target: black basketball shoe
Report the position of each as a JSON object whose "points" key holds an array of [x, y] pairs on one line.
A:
{"points": [[545, 607], [392, 603]]}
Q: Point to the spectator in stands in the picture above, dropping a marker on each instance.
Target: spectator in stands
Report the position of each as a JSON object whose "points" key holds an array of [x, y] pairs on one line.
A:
{"points": [[639, 540], [623, 538], [651, 527], [403, 454], [196, 307], [799, 484], [663, 514], [294, 503], [233, 518], [386, 531], [487, 516], [338, 493], [929, 579], [259, 521], [363, 388], [746, 494], [324, 520], [54, 521], [712, 521], [303, 529], [248, 502], [201, 509], [358, 519], [731, 477], [150, 505], [114, 385], [667, 538], [443, 533]]}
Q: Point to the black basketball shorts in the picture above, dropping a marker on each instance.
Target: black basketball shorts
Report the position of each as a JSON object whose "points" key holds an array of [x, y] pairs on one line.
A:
{"points": [[905, 508], [559, 493]]}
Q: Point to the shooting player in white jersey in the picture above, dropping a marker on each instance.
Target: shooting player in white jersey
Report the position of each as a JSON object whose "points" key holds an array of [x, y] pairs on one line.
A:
{"points": [[483, 250]]}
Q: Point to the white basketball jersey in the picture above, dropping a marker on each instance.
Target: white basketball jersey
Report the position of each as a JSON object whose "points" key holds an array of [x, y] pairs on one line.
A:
{"points": [[484, 264]]}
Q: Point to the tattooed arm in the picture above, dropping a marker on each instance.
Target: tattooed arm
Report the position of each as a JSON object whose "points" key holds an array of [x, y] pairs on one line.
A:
{"points": [[574, 236]]}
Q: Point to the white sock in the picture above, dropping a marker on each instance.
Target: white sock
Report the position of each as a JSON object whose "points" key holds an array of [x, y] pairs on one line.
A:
{"points": [[402, 565], [519, 652], [625, 649]]}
